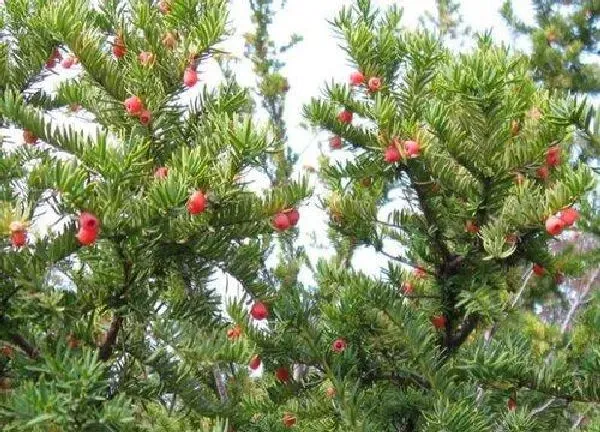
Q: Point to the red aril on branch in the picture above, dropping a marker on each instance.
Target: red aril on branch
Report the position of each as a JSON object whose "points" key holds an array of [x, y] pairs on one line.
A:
{"points": [[345, 117], [554, 225], [471, 226], [119, 49], [282, 374], [289, 420], [293, 216], [553, 156], [18, 238], [196, 203], [538, 270], [542, 173], [439, 322], [374, 84], [259, 311], [357, 78], [392, 154], [335, 142], [281, 222], [133, 105], [412, 149], [145, 117], [255, 362], [190, 77], [339, 345], [569, 216], [29, 137]]}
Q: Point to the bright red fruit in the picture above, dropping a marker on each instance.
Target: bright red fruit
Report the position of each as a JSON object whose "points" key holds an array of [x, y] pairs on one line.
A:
{"points": [[119, 49], [407, 288], [282, 374], [86, 236], [335, 142], [197, 203], [538, 269], [255, 362], [190, 77], [259, 311], [88, 221], [18, 238], [553, 156], [439, 321], [29, 137], [146, 58], [161, 173], [412, 149], [471, 227], [357, 78], [511, 404], [289, 420], [293, 217], [392, 154], [281, 222], [543, 173], [68, 62], [374, 84], [145, 117], [569, 216], [345, 116], [133, 105], [338, 346], [554, 225]]}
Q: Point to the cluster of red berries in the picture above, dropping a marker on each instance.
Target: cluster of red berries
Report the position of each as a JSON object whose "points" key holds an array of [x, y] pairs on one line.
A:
{"points": [[135, 107], [565, 218], [286, 219], [552, 160], [18, 234], [374, 83], [396, 151], [89, 227]]}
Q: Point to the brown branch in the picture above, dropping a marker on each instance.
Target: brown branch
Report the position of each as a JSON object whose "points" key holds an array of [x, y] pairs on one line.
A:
{"points": [[106, 349], [467, 326], [30, 349]]}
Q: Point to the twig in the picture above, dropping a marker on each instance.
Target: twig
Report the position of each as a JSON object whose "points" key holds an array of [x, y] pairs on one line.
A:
{"points": [[580, 418], [543, 407], [25, 345], [579, 301], [106, 348]]}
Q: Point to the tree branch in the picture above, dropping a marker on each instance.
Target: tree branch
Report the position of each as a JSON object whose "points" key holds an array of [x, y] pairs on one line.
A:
{"points": [[106, 349], [579, 301], [30, 349]]}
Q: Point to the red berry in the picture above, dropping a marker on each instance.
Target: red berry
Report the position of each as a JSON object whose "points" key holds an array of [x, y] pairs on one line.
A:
{"points": [[133, 105], [164, 7], [554, 225], [511, 404], [338, 346], [29, 137], [553, 156], [119, 49], [145, 117], [471, 227], [293, 217], [335, 142], [282, 374], [86, 236], [234, 332], [88, 221], [255, 362], [407, 288], [146, 58], [259, 311], [330, 392], [68, 62], [197, 203], [281, 222], [289, 420], [161, 173], [190, 77], [392, 154], [420, 272], [538, 269], [569, 216], [543, 173], [18, 238], [357, 78], [412, 149], [439, 321], [345, 116], [374, 84]]}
